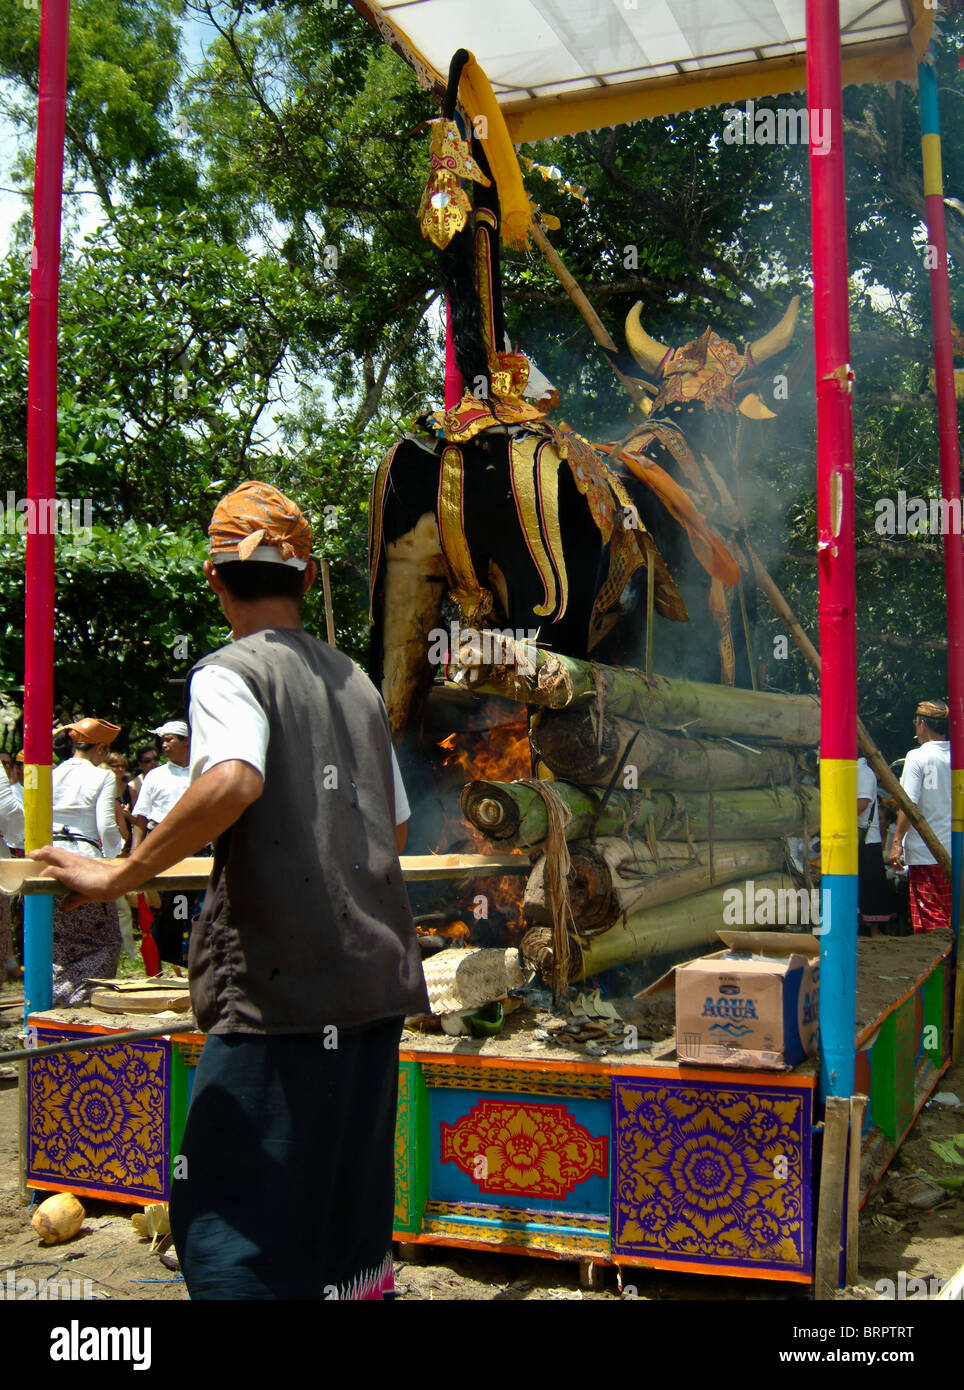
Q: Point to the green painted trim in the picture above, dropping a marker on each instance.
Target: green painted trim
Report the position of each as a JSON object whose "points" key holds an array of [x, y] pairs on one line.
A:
{"points": [[411, 1149], [907, 1043], [934, 1015], [178, 1102], [883, 1072]]}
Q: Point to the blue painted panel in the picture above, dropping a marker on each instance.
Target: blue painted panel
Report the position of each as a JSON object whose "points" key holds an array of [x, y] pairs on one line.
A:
{"points": [[532, 1145]]}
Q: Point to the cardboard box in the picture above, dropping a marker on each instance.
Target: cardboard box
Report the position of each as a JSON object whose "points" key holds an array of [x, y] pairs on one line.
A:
{"points": [[754, 1008]]}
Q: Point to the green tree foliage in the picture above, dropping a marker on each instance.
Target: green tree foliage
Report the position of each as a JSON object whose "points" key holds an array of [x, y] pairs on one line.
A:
{"points": [[258, 301]]}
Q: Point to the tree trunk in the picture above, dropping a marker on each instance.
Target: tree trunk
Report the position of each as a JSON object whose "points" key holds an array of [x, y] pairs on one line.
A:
{"points": [[612, 876], [691, 923], [567, 742], [532, 675], [513, 814]]}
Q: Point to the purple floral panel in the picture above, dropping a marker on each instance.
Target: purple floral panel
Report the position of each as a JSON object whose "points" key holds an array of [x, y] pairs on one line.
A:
{"points": [[101, 1119], [712, 1174]]}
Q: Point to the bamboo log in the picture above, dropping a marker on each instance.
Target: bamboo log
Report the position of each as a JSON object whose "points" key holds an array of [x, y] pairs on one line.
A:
{"points": [[884, 772], [513, 814], [567, 742], [610, 877], [691, 923], [534, 676]]}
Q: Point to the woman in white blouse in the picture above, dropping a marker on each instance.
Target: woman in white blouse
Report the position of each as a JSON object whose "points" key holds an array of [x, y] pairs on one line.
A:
{"points": [[11, 833], [87, 940]]}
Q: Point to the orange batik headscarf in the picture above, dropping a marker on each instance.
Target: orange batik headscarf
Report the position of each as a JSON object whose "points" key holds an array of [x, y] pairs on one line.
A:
{"points": [[257, 522]]}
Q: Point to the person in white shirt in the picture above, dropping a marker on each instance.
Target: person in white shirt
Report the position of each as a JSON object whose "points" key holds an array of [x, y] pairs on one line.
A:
{"points": [[927, 781], [161, 790], [875, 896], [11, 830], [87, 940], [163, 786]]}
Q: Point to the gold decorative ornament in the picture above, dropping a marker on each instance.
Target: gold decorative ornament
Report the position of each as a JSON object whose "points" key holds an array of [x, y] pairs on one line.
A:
{"points": [[445, 205]]}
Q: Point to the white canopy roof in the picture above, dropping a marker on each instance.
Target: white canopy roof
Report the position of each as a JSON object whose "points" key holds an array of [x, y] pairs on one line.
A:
{"points": [[558, 66]]}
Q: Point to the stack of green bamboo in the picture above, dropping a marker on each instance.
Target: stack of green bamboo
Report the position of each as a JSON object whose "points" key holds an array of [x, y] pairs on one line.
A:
{"points": [[667, 793]]}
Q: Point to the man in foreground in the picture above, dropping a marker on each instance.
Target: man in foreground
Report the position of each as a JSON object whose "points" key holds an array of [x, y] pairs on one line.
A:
{"points": [[304, 961], [926, 778]]}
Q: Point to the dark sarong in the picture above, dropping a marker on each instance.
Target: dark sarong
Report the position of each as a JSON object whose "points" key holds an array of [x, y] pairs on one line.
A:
{"points": [[876, 899], [288, 1183]]}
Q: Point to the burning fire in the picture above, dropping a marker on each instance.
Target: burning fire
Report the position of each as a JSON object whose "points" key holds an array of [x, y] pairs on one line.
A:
{"points": [[496, 755], [500, 754]]}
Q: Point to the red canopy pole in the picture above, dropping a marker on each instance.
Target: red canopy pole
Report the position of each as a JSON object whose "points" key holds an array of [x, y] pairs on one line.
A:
{"points": [[835, 547], [42, 485], [950, 489]]}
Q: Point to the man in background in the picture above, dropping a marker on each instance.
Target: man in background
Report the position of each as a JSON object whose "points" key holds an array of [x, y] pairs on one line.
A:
{"points": [[161, 790], [926, 779]]}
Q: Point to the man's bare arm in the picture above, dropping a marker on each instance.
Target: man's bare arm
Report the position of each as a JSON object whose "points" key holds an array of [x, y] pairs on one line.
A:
{"points": [[896, 849], [208, 807], [139, 831]]}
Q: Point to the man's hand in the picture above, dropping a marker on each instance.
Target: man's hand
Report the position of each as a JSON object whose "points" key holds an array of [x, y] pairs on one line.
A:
{"points": [[896, 853], [93, 880]]}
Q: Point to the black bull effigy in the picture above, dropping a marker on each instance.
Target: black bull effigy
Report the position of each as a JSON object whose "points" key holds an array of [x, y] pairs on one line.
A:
{"points": [[525, 525]]}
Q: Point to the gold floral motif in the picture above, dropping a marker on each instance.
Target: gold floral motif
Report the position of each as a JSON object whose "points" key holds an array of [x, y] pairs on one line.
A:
{"points": [[492, 1212], [522, 1237], [706, 1173], [524, 1149], [557, 1081], [404, 1174], [100, 1118]]}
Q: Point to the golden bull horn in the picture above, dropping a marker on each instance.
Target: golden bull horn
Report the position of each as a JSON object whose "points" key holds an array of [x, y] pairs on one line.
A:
{"points": [[646, 350], [779, 337]]}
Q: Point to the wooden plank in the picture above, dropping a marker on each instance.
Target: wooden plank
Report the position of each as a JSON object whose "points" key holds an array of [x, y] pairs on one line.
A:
{"points": [[830, 1218], [21, 876], [858, 1104], [16, 875], [148, 1001]]}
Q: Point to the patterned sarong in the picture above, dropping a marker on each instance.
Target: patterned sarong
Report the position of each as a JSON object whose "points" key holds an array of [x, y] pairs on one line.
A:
{"points": [[930, 898]]}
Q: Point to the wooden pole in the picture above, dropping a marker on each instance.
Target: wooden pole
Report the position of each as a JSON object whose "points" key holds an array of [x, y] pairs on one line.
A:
{"points": [[42, 485], [594, 323], [329, 610], [833, 1167], [951, 494], [650, 605], [885, 774], [858, 1104]]}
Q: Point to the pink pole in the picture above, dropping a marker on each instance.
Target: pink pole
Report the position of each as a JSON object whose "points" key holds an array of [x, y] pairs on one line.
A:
{"points": [[835, 557], [453, 377], [42, 482]]}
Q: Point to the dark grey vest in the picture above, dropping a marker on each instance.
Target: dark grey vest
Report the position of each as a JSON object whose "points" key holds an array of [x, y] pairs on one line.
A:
{"points": [[306, 922]]}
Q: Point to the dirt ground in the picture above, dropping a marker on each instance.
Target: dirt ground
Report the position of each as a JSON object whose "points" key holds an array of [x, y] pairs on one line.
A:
{"points": [[910, 1224]]}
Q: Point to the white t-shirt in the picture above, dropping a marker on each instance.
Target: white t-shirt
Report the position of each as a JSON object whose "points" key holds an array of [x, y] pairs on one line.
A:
{"points": [[867, 789], [927, 781], [84, 797], [160, 791], [228, 724]]}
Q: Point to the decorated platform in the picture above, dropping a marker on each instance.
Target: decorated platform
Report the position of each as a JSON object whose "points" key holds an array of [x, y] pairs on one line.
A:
{"points": [[537, 1148]]}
